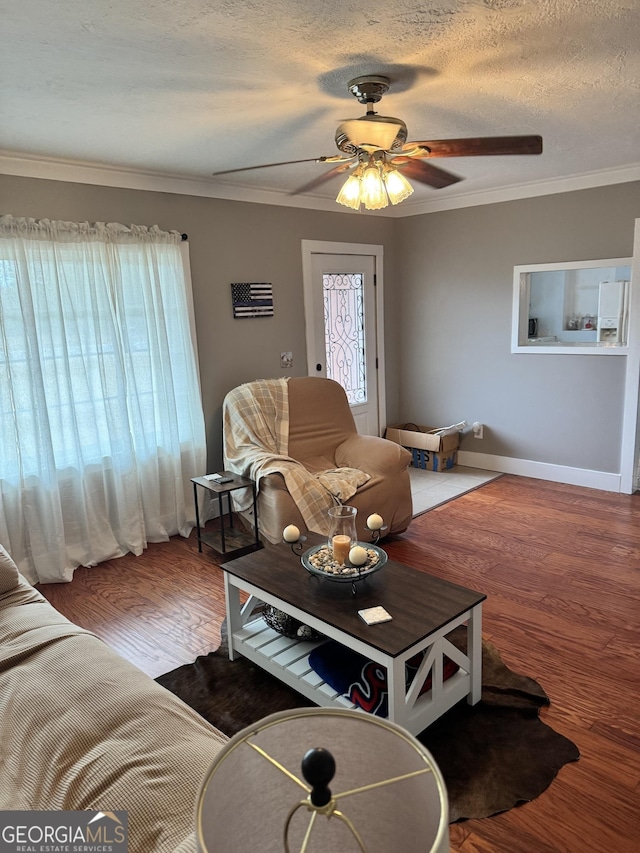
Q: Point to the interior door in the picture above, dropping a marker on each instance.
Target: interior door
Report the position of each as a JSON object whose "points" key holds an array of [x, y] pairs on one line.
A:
{"points": [[342, 330]]}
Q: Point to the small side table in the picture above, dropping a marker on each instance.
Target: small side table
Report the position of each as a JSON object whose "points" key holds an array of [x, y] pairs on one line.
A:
{"points": [[218, 539]]}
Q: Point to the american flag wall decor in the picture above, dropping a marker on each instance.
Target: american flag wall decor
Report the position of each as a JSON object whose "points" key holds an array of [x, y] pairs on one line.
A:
{"points": [[252, 300]]}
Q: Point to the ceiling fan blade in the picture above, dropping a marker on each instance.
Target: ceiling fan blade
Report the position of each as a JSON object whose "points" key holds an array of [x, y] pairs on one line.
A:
{"points": [[479, 146], [326, 176], [425, 172], [332, 159]]}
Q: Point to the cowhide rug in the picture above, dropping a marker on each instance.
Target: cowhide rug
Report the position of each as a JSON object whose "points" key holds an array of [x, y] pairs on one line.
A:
{"points": [[493, 755]]}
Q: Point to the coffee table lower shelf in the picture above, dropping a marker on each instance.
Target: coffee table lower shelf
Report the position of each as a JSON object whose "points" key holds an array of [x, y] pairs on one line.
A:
{"points": [[288, 660]]}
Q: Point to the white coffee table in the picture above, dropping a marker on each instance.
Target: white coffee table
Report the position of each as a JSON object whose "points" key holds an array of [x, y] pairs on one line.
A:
{"points": [[425, 610]]}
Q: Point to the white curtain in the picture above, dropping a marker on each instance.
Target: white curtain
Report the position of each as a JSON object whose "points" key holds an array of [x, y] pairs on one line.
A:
{"points": [[101, 423]]}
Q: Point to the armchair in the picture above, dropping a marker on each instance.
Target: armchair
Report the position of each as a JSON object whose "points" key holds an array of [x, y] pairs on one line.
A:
{"points": [[297, 439]]}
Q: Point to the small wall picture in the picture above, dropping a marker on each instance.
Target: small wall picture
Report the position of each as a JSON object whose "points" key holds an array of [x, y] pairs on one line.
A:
{"points": [[252, 300], [286, 360]]}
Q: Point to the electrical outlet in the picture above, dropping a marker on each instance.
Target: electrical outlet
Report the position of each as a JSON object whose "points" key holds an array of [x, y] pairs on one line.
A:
{"points": [[478, 430]]}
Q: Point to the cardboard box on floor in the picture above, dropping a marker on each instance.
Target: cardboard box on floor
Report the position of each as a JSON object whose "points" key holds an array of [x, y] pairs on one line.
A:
{"points": [[429, 451]]}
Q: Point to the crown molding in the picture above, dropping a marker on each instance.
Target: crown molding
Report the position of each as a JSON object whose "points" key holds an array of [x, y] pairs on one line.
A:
{"points": [[531, 189], [82, 172]]}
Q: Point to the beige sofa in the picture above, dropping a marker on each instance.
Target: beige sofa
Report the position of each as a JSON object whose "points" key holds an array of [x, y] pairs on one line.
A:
{"points": [[81, 728], [318, 435]]}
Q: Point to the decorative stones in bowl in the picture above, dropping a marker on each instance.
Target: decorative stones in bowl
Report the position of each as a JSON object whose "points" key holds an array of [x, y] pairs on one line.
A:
{"points": [[319, 561]]}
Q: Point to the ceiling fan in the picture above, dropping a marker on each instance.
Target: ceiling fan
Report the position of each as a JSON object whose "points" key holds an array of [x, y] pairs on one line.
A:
{"points": [[376, 148]]}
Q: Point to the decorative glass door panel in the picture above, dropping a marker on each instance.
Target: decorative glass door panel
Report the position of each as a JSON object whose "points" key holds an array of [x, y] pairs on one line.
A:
{"points": [[341, 327], [343, 306]]}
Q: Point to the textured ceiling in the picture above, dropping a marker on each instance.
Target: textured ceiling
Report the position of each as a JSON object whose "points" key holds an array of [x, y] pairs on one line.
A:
{"points": [[188, 87]]}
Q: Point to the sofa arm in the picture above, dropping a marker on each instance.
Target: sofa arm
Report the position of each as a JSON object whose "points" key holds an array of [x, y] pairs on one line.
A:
{"points": [[372, 454]]}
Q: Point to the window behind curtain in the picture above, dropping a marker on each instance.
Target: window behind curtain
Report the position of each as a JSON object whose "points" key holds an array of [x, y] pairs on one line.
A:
{"points": [[99, 400]]}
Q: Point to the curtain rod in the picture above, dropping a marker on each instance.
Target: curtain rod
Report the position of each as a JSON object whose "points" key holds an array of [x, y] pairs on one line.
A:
{"points": [[185, 237]]}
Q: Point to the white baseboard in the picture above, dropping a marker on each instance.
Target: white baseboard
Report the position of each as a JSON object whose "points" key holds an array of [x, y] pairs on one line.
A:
{"points": [[541, 470]]}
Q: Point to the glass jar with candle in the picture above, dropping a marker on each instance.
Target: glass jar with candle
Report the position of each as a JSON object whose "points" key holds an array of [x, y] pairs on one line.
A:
{"points": [[342, 532]]}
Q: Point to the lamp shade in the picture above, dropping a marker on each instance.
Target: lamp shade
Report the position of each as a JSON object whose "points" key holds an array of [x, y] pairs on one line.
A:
{"points": [[372, 192], [387, 792], [398, 187], [349, 195]]}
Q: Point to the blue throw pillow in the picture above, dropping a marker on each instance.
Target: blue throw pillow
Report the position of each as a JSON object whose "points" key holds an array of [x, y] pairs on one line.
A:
{"points": [[361, 680]]}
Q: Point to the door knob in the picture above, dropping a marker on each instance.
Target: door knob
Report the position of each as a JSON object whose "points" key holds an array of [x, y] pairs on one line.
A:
{"points": [[318, 367]]}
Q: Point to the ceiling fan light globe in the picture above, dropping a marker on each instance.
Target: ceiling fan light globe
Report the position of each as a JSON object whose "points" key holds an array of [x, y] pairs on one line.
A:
{"points": [[349, 194], [372, 192], [398, 187]]}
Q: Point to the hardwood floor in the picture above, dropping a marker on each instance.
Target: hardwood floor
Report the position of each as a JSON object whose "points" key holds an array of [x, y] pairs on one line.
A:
{"points": [[561, 569]]}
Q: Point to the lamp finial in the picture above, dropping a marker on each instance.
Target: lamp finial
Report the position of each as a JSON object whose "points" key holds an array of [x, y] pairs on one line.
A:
{"points": [[318, 768]]}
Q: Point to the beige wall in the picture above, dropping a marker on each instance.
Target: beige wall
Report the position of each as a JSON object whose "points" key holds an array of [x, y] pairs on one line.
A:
{"points": [[448, 294], [456, 269], [228, 241]]}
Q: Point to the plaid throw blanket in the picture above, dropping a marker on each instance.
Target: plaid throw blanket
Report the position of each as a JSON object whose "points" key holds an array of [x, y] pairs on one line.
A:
{"points": [[256, 439]]}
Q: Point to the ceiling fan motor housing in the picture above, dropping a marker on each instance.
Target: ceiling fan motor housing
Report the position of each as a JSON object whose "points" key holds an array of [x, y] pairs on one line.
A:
{"points": [[371, 133]]}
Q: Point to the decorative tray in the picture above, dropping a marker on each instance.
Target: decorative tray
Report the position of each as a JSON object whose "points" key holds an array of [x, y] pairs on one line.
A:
{"points": [[318, 560]]}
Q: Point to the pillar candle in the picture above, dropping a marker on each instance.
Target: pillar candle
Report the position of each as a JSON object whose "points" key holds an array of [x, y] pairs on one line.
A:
{"points": [[341, 548]]}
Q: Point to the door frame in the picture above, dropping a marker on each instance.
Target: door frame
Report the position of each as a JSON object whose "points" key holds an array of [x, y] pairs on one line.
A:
{"points": [[630, 442], [322, 247]]}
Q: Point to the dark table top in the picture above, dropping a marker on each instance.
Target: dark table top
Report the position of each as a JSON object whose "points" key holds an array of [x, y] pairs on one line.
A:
{"points": [[419, 603], [237, 482]]}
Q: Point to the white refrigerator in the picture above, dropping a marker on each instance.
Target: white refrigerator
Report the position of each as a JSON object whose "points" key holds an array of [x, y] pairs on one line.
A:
{"points": [[612, 311]]}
